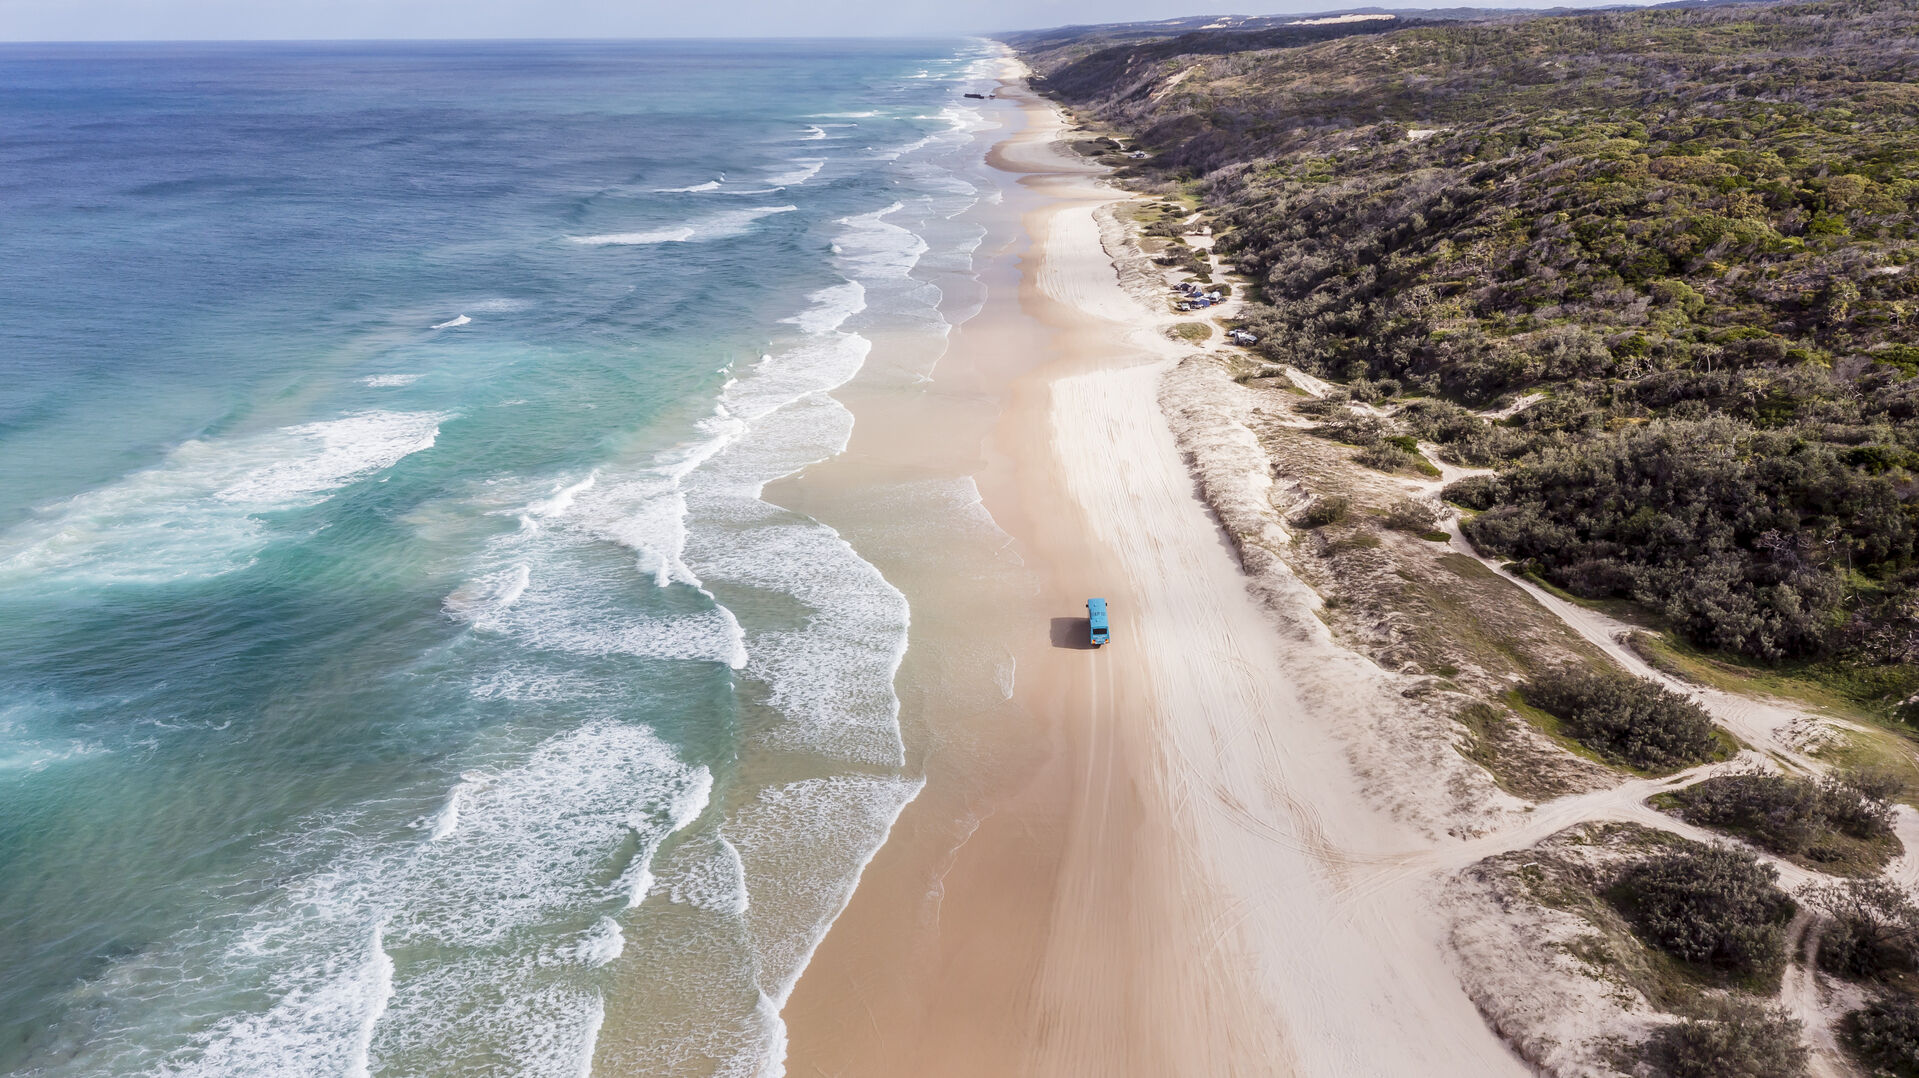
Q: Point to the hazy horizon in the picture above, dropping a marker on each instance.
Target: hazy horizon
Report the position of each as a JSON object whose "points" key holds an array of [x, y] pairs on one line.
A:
{"points": [[46, 21]]}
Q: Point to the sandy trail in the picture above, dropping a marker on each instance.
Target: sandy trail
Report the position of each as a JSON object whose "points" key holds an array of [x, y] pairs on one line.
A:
{"points": [[1764, 724], [1237, 725], [1357, 981]]}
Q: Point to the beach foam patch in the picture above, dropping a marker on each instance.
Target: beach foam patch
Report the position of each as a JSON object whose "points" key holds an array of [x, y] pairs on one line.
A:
{"points": [[795, 173], [199, 512], [716, 227], [413, 955], [871, 246], [698, 188]]}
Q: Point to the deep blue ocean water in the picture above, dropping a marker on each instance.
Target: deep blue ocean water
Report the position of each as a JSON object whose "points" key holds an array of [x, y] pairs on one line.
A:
{"points": [[399, 671]]}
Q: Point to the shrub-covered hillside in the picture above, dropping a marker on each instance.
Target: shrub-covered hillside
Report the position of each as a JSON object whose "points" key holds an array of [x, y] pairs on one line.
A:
{"points": [[1692, 231]]}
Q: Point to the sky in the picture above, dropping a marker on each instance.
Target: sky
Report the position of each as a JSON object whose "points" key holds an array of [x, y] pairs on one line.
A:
{"points": [[202, 20]]}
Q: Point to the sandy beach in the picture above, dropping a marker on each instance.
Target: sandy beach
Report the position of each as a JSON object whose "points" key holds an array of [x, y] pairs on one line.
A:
{"points": [[1157, 858]]}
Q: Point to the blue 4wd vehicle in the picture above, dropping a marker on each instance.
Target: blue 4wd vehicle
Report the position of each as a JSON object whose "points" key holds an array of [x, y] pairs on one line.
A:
{"points": [[1096, 621]]}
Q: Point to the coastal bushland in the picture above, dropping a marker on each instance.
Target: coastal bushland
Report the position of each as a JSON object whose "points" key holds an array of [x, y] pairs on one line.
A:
{"points": [[1842, 824], [1684, 239], [1884, 1035], [1624, 718], [1870, 931], [1655, 270], [1735, 1038], [1717, 908]]}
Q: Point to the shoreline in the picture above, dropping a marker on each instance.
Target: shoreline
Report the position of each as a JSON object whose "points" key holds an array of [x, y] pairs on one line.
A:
{"points": [[1142, 865]]}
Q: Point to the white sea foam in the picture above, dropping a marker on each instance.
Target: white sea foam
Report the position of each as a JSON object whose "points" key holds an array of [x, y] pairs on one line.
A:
{"points": [[795, 173], [323, 1022], [546, 594], [698, 188], [871, 246], [531, 850], [718, 226], [198, 513], [590, 1040], [484, 600], [637, 881], [782, 837], [31, 743], [380, 967], [1005, 671], [830, 681], [337, 451], [461, 320], [33, 756], [602, 943], [813, 133], [448, 817], [390, 381], [964, 118], [830, 307], [636, 239], [902, 150], [713, 879]]}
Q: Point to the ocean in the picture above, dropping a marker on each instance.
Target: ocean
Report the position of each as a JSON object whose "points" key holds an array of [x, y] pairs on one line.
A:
{"points": [[401, 672]]}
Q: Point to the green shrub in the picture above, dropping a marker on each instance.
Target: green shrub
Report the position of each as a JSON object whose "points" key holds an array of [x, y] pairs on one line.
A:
{"points": [[1413, 515], [1796, 817], [1771, 811], [1361, 430], [1479, 492], [1386, 456], [1885, 1034], [1624, 718], [1717, 907], [1872, 929], [1328, 509], [1860, 803], [1736, 1039]]}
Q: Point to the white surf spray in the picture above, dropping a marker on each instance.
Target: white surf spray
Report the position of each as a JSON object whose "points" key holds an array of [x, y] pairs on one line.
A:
{"points": [[590, 1038], [797, 172], [698, 188], [716, 227], [201, 511], [381, 977]]}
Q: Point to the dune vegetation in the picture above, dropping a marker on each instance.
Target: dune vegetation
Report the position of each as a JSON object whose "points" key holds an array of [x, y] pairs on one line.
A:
{"points": [[1683, 240]]}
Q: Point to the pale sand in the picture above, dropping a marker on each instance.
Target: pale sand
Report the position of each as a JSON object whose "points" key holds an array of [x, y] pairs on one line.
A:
{"points": [[1158, 862]]}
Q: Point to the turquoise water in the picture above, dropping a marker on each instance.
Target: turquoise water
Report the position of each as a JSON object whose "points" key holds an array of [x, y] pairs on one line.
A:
{"points": [[400, 672]]}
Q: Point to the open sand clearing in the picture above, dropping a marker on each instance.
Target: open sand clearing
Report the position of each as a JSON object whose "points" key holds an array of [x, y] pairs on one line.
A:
{"points": [[1176, 872]]}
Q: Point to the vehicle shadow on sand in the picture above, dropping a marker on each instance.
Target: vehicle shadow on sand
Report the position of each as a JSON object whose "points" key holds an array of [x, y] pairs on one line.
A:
{"points": [[1074, 634]]}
